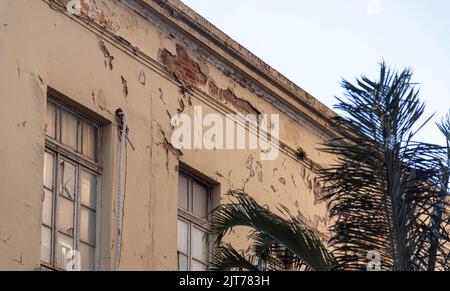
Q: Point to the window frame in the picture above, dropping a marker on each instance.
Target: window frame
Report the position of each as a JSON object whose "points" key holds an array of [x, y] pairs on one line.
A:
{"points": [[61, 152], [57, 144], [192, 220]]}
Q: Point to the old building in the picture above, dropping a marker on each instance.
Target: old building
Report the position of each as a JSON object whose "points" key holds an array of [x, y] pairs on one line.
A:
{"points": [[67, 67]]}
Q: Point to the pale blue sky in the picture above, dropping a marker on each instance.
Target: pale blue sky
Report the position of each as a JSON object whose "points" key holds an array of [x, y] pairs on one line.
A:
{"points": [[316, 42]]}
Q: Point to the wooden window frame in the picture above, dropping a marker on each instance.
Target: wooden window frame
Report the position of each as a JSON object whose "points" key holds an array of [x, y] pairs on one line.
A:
{"points": [[61, 152], [192, 220]]}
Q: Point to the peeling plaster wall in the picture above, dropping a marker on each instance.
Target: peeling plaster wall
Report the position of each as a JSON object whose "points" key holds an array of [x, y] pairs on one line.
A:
{"points": [[112, 57]]}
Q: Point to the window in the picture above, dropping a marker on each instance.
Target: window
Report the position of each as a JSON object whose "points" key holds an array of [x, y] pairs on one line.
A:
{"points": [[71, 187], [193, 208]]}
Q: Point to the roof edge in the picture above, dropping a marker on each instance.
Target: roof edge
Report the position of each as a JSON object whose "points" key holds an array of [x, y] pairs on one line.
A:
{"points": [[179, 11]]}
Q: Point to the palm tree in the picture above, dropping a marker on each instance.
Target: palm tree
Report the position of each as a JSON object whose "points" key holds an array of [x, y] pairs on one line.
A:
{"points": [[278, 243], [387, 194]]}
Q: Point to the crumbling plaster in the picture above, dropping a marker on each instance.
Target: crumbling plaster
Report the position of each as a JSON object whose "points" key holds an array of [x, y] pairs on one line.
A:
{"points": [[99, 60]]}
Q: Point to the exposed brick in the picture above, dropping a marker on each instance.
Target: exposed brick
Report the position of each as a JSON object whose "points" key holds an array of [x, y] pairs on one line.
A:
{"points": [[183, 67], [213, 89], [229, 97], [89, 9]]}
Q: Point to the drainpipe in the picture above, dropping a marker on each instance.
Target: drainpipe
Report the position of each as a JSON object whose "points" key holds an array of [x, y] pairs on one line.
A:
{"points": [[123, 137]]}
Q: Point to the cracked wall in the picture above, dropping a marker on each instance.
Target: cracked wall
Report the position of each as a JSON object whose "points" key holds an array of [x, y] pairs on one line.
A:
{"points": [[110, 57], [89, 9]]}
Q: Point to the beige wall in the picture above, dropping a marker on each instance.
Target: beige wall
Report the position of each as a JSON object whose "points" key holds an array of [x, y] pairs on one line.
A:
{"points": [[42, 47]]}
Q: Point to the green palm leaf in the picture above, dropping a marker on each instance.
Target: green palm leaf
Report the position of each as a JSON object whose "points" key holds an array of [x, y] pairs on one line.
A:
{"points": [[286, 232]]}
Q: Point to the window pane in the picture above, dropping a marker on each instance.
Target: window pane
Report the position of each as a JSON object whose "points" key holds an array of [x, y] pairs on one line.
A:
{"points": [[64, 245], [197, 266], [199, 245], [89, 140], [183, 236], [87, 231], [65, 216], [50, 122], [88, 189], [68, 180], [47, 208], [182, 262], [87, 257], [48, 170], [183, 192], [200, 201], [69, 129], [46, 243]]}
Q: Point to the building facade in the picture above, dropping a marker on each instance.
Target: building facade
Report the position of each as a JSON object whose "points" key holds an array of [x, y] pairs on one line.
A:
{"points": [[71, 69]]}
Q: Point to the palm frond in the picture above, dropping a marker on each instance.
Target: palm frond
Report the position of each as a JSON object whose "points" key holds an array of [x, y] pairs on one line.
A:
{"points": [[384, 187], [444, 126], [275, 256], [226, 258], [286, 232]]}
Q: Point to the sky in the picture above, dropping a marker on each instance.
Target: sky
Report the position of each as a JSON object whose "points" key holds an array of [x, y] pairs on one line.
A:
{"points": [[317, 43]]}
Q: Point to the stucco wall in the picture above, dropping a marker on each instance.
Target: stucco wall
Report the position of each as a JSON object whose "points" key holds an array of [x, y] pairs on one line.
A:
{"points": [[98, 61]]}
